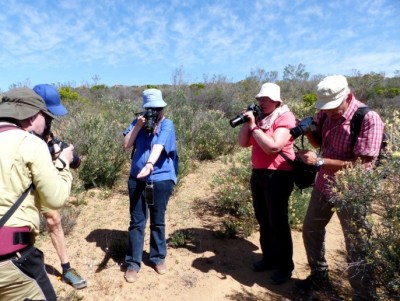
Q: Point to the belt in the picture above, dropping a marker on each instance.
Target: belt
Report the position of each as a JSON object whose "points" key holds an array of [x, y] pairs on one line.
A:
{"points": [[13, 239], [15, 254]]}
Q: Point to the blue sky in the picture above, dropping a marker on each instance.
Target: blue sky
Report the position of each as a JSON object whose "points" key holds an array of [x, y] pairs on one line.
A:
{"points": [[138, 42]]}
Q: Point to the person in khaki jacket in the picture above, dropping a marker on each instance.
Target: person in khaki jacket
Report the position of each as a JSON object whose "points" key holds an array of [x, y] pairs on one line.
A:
{"points": [[27, 173]]}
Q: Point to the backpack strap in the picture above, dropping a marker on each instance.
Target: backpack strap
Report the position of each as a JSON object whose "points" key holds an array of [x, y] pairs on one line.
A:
{"points": [[6, 127], [356, 122], [15, 206], [291, 162]]}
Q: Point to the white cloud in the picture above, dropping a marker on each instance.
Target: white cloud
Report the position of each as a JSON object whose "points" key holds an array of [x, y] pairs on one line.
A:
{"points": [[208, 36]]}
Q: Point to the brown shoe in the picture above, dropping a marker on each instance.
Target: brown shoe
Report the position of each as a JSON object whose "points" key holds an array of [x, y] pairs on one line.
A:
{"points": [[161, 268], [131, 276]]}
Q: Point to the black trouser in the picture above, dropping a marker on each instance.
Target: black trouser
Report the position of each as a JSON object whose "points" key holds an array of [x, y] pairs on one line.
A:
{"points": [[271, 190], [26, 278]]}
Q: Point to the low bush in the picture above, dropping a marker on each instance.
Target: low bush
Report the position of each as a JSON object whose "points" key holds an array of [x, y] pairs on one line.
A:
{"points": [[233, 199], [180, 238], [378, 199], [98, 141]]}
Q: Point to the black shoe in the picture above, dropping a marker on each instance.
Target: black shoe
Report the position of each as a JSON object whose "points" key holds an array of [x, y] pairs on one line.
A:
{"points": [[316, 281], [280, 277], [261, 266]]}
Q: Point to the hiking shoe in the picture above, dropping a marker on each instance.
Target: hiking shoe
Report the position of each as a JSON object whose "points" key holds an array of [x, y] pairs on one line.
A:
{"points": [[72, 277], [261, 266], [161, 268], [280, 277], [316, 281], [131, 276]]}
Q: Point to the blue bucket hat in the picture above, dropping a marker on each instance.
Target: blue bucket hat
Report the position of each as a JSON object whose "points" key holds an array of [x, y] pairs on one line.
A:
{"points": [[152, 98], [52, 99]]}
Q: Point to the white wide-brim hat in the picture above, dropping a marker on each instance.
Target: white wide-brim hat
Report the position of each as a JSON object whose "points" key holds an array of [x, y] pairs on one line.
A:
{"points": [[270, 90], [331, 92]]}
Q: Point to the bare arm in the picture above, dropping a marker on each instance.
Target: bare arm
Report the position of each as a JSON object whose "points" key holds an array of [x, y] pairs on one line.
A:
{"points": [[272, 144], [311, 158], [154, 155], [130, 138], [244, 135], [269, 144]]}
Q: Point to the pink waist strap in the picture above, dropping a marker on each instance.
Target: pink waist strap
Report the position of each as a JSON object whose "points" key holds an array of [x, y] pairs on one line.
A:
{"points": [[13, 239]]}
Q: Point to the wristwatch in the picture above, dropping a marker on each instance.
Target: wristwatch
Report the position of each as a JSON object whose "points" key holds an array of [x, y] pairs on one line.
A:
{"points": [[320, 162]]}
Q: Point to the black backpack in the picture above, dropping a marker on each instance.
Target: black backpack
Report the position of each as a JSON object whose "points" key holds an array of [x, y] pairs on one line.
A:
{"points": [[355, 128]]}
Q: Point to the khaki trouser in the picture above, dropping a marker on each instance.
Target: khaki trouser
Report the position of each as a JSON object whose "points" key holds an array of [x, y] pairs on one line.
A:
{"points": [[319, 213], [24, 278]]}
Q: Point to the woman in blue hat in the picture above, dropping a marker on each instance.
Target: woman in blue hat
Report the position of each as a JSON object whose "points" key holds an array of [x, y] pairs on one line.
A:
{"points": [[153, 174]]}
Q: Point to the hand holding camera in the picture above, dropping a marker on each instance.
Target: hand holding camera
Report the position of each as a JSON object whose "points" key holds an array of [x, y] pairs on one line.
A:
{"points": [[59, 148], [68, 154], [148, 119], [242, 117], [304, 126]]}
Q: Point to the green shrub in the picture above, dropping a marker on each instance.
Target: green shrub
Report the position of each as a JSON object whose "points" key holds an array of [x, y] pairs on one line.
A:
{"points": [[98, 141], [310, 99], [357, 190], [196, 88], [68, 93], [98, 87], [212, 135], [204, 134], [233, 198], [230, 228], [180, 238], [298, 204], [232, 188], [360, 191]]}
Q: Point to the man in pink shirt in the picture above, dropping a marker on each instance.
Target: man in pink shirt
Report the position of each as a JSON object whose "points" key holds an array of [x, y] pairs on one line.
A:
{"points": [[337, 106]]}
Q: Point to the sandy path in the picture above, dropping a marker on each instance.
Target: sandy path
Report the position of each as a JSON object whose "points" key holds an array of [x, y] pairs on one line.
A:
{"points": [[207, 269]]}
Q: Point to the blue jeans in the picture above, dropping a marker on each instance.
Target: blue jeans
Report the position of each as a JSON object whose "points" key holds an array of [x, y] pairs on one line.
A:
{"points": [[139, 212]]}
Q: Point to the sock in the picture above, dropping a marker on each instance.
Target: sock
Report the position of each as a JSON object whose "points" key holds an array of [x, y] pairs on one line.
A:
{"points": [[65, 267]]}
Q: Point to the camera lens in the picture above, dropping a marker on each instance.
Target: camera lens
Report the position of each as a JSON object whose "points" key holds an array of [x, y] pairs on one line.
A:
{"points": [[296, 132], [76, 162], [234, 122]]}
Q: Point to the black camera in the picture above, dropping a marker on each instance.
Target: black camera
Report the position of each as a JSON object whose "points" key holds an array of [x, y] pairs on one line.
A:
{"points": [[76, 161], [304, 126], [151, 119], [241, 118]]}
